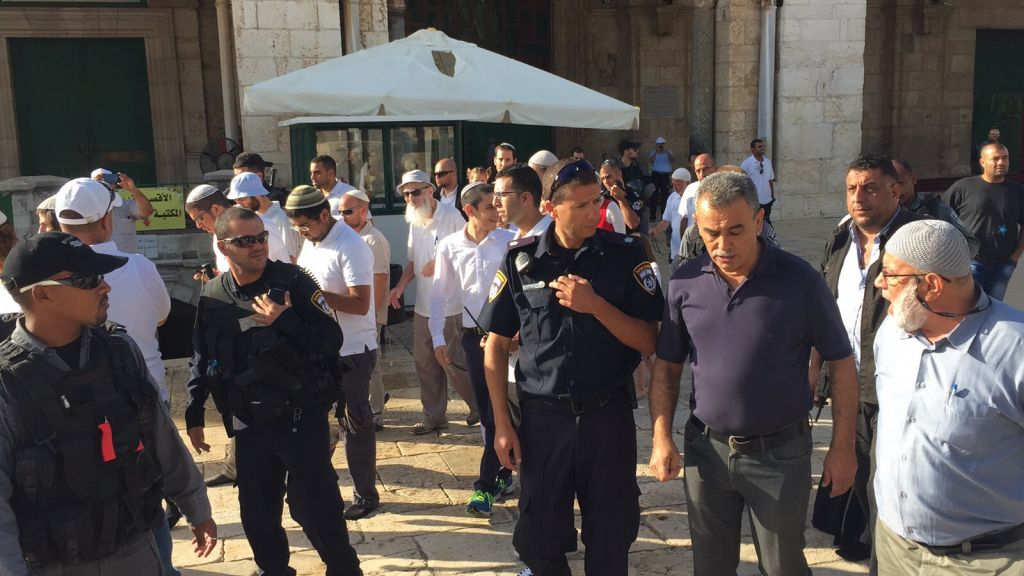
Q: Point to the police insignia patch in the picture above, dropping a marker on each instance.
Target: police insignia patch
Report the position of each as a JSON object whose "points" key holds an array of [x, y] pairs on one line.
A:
{"points": [[638, 205], [320, 301], [497, 286], [645, 277]]}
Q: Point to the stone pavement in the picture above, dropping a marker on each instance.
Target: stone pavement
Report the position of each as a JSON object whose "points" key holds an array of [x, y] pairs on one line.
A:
{"points": [[421, 528]]}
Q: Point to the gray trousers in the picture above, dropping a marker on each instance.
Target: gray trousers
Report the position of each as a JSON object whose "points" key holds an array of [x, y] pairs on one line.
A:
{"points": [[139, 558], [433, 377], [360, 437], [898, 556], [377, 383], [775, 485]]}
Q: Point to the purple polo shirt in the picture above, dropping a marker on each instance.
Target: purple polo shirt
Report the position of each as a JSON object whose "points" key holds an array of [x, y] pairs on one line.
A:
{"points": [[749, 348]]}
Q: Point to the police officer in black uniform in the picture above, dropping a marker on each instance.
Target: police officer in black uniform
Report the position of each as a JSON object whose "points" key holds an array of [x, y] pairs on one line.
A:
{"points": [[266, 345], [585, 303], [86, 445]]}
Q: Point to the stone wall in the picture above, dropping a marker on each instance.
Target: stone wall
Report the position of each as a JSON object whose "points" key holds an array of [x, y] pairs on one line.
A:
{"points": [[209, 47], [819, 104], [737, 65]]}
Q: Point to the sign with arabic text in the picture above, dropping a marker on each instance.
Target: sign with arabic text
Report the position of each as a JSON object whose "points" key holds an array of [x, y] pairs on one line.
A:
{"points": [[168, 209]]}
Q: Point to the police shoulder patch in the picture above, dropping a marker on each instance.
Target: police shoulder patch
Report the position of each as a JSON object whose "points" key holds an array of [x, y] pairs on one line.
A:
{"points": [[497, 286], [320, 301], [645, 277], [521, 242]]}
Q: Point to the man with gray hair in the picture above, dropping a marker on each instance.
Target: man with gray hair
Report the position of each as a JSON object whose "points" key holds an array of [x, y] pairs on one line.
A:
{"points": [[949, 482], [750, 313]]}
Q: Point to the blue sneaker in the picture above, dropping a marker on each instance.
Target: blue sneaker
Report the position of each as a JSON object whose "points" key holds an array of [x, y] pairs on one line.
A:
{"points": [[504, 487], [481, 504]]}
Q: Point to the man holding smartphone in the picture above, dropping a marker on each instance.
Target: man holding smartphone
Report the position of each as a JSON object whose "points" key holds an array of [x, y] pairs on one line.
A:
{"points": [[138, 207]]}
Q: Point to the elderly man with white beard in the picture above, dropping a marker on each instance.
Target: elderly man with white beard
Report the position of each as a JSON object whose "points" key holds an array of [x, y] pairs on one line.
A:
{"points": [[429, 222], [949, 482]]}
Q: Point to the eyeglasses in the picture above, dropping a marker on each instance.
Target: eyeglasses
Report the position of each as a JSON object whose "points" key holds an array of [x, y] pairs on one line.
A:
{"points": [[414, 192], [443, 173], [87, 282], [247, 241], [568, 172], [891, 283], [301, 229], [348, 211], [202, 214], [500, 196]]}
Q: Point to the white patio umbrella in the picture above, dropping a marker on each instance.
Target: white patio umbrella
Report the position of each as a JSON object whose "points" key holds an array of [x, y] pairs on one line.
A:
{"points": [[430, 74]]}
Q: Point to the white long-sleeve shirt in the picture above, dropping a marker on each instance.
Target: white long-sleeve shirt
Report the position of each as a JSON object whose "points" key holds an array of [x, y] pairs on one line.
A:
{"points": [[464, 271]]}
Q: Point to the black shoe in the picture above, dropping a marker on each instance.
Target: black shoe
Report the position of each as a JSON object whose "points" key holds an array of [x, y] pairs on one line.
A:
{"points": [[472, 419], [360, 509], [219, 480]]}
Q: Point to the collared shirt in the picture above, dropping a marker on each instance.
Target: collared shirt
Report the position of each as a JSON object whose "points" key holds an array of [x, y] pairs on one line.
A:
{"points": [[749, 347], [340, 261], [674, 218], [660, 162], [464, 272], [950, 441], [566, 353], [381, 249], [181, 478], [761, 172], [449, 198], [335, 195], [284, 242], [853, 280], [124, 217], [139, 301], [421, 248], [688, 203], [537, 230]]}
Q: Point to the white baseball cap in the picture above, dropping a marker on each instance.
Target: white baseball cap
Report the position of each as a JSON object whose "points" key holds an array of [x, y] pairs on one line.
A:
{"points": [[246, 185], [543, 158], [87, 197], [200, 192], [358, 194], [49, 204], [415, 176], [660, 140], [682, 174]]}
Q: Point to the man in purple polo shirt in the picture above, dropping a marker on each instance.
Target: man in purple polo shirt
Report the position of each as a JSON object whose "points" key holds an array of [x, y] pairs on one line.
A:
{"points": [[747, 314]]}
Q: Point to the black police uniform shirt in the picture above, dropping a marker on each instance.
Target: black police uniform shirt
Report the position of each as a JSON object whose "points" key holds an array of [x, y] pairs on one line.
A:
{"points": [[565, 353], [308, 324], [637, 203]]}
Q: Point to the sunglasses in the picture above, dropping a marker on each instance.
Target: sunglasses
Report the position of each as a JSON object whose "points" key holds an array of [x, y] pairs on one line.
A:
{"points": [[568, 172], [247, 241], [760, 167], [443, 173], [348, 211], [80, 282], [414, 192]]}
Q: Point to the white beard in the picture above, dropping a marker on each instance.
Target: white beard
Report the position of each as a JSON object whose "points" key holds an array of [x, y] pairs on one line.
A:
{"points": [[909, 314], [421, 216]]}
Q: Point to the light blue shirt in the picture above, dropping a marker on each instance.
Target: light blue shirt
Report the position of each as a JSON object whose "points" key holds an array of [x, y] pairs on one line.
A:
{"points": [[950, 442]]}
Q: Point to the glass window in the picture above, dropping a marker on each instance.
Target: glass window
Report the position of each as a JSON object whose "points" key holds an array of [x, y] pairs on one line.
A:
{"points": [[419, 148], [359, 153]]}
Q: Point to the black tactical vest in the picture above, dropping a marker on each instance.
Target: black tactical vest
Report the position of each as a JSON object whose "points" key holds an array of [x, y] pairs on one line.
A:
{"points": [[254, 367], [87, 481]]}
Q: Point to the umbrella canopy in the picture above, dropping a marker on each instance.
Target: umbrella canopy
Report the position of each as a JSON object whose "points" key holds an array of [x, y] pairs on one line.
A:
{"points": [[429, 73]]}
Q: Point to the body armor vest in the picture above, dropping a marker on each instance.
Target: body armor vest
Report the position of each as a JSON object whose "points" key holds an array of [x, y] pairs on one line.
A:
{"points": [[253, 367], [87, 481]]}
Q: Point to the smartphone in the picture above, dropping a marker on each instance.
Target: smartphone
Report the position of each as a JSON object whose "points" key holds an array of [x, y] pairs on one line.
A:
{"points": [[276, 293], [112, 180]]}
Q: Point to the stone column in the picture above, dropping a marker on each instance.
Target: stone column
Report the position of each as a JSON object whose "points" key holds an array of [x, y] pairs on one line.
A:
{"points": [[373, 23], [702, 96]]}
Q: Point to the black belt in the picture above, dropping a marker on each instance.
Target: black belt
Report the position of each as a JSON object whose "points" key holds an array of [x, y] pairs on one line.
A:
{"points": [[754, 444], [983, 542], [476, 330], [576, 407]]}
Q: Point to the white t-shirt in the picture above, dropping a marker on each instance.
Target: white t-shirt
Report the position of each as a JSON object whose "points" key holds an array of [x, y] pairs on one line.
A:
{"points": [[7, 304], [421, 248], [464, 272], [688, 203], [139, 301], [674, 218], [613, 215], [290, 239], [761, 173], [221, 259], [381, 249], [124, 217], [342, 259]]}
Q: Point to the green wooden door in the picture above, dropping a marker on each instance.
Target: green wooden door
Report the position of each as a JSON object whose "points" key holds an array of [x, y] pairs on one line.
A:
{"points": [[83, 104], [999, 93]]}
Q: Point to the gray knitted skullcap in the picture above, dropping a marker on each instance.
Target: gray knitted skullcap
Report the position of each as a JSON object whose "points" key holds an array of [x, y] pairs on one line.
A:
{"points": [[932, 246]]}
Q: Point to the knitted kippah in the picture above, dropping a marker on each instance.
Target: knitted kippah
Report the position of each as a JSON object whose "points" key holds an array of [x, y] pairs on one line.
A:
{"points": [[303, 197], [932, 246]]}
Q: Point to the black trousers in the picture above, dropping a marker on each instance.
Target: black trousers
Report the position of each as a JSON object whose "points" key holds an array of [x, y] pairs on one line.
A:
{"points": [[867, 427], [592, 458], [264, 455], [490, 466], [768, 211], [662, 188]]}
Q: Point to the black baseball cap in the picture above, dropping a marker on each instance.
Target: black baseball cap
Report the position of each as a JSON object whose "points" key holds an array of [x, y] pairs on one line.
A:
{"points": [[251, 160], [39, 257]]}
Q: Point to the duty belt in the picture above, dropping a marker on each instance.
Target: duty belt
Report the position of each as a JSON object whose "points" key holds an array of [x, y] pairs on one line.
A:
{"points": [[990, 541], [576, 407], [754, 444]]}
